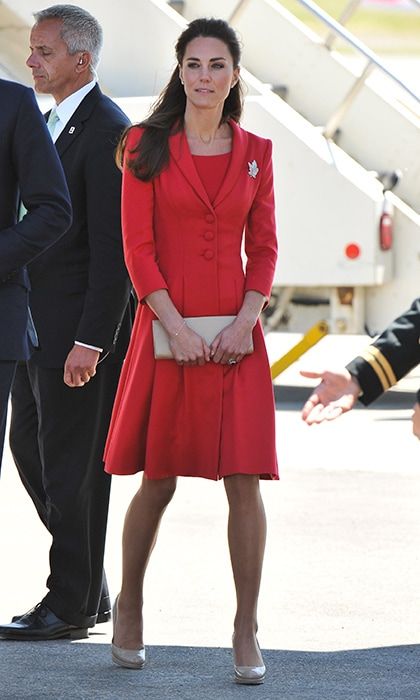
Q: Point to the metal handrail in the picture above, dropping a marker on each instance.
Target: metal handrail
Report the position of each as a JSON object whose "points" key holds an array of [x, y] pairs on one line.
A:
{"points": [[347, 12], [344, 17], [356, 44], [344, 34]]}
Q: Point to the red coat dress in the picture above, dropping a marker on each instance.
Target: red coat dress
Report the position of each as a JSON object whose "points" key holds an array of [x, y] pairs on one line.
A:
{"points": [[215, 420]]}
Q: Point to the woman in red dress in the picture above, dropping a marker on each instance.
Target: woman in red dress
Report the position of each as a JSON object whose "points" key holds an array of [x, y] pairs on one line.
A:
{"points": [[196, 186]]}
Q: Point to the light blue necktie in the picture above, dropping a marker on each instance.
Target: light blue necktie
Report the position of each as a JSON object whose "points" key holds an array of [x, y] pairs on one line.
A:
{"points": [[51, 124], [52, 121]]}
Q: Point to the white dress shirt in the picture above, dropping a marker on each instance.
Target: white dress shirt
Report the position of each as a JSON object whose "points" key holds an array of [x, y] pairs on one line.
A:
{"points": [[67, 108]]}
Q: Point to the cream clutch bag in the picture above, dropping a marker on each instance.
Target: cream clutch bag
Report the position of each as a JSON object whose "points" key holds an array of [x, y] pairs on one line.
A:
{"points": [[206, 326]]}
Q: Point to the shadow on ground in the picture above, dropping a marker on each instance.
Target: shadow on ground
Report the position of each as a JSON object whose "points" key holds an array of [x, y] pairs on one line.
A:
{"points": [[77, 671]]}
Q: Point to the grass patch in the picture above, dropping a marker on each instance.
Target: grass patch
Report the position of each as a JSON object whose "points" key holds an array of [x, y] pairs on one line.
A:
{"points": [[384, 30]]}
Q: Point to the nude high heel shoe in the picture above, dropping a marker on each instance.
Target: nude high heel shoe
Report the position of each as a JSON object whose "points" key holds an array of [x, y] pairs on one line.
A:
{"points": [[128, 658], [249, 675]]}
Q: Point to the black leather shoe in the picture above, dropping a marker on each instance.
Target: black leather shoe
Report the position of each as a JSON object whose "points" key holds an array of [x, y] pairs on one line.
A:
{"points": [[41, 624], [102, 617], [104, 609]]}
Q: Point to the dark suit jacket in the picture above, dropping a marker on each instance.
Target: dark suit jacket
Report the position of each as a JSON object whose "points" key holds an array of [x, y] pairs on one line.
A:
{"points": [[29, 163], [390, 357], [80, 287]]}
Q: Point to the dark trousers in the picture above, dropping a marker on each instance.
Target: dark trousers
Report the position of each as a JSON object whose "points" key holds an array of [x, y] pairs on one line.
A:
{"points": [[57, 437], [7, 371]]}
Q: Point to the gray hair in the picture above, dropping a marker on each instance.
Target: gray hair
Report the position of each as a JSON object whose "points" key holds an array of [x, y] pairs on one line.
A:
{"points": [[80, 31]]}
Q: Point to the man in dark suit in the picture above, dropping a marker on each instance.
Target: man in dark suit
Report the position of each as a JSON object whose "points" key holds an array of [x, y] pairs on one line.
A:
{"points": [[79, 300], [29, 168]]}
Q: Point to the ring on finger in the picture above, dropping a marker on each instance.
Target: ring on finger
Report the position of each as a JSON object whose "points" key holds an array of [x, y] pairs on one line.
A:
{"points": [[231, 361]]}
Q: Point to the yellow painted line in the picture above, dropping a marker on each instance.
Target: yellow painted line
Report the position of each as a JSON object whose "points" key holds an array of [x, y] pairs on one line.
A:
{"points": [[311, 337]]}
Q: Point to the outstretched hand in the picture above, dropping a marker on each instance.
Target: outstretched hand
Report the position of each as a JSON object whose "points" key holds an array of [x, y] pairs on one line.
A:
{"points": [[336, 394]]}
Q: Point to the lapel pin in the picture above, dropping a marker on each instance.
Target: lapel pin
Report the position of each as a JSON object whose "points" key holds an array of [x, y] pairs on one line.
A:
{"points": [[72, 130], [253, 169]]}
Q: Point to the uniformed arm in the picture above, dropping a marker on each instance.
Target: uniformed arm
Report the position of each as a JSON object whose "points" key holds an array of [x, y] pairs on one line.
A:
{"points": [[393, 354], [43, 190]]}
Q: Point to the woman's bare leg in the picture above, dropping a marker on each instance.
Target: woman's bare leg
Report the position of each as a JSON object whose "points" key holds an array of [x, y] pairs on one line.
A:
{"points": [[141, 526], [246, 535]]}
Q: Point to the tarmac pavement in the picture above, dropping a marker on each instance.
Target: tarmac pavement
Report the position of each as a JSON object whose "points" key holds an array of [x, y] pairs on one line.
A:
{"points": [[339, 612], [195, 673]]}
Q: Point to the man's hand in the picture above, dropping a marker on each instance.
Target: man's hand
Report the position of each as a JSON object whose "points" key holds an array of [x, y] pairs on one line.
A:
{"points": [[416, 420], [80, 365], [336, 394]]}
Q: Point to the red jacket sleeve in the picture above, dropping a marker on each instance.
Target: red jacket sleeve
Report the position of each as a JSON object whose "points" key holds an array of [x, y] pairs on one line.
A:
{"points": [[137, 203], [260, 232]]}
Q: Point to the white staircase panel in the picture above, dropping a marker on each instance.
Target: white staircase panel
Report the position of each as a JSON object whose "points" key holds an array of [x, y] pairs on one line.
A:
{"points": [[324, 201]]}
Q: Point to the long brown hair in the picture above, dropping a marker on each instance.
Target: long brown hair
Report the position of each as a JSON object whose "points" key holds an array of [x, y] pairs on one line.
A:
{"points": [[151, 155]]}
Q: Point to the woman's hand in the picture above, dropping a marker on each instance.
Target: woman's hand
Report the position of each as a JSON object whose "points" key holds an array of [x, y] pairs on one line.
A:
{"points": [[189, 348], [232, 343]]}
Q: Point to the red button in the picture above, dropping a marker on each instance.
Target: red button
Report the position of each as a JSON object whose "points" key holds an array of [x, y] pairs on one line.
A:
{"points": [[208, 235], [208, 254]]}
